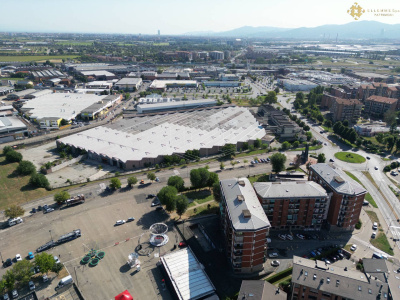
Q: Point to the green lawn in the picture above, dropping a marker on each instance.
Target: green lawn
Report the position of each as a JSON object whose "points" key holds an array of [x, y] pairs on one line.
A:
{"points": [[25, 58], [373, 216], [310, 148], [203, 210], [368, 196], [350, 157], [74, 43], [10, 78], [200, 196], [381, 242]]}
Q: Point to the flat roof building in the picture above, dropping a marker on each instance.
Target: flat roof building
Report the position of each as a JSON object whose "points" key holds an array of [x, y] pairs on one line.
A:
{"points": [[129, 83], [245, 225], [132, 143], [187, 276], [163, 84], [174, 105], [260, 290], [11, 128]]}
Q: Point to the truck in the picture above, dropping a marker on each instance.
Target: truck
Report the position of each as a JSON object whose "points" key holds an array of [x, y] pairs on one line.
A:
{"points": [[46, 246], [69, 236], [14, 221], [64, 281], [78, 199]]}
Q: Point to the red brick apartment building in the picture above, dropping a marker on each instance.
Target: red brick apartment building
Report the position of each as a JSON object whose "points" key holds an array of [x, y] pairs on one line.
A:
{"points": [[347, 196], [377, 105], [294, 205], [245, 225]]}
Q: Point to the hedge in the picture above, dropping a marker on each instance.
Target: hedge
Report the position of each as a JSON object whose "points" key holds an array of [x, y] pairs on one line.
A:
{"points": [[280, 275]]}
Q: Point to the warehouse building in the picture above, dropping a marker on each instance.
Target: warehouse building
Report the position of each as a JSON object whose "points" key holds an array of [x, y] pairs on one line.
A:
{"points": [[136, 142], [129, 84], [98, 75], [187, 276], [101, 107], [49, 110], [11, 128], [161, 85], [173, 105], [222, 83]]}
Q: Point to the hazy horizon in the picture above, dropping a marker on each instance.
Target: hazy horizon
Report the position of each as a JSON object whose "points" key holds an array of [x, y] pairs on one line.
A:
{"points": [[177, 17]]}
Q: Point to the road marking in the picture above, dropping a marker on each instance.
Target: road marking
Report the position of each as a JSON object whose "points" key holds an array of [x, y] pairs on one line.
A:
{"points": [[176, 172]]}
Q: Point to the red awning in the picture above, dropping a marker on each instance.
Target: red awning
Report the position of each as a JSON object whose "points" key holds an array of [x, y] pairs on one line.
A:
{"points": [[125, 295]]}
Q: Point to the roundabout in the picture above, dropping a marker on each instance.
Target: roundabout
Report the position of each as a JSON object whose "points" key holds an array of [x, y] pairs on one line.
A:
{"points": [[350, 157]]}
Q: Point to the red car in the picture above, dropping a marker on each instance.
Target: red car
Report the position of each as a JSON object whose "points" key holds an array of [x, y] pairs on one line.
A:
{"points": [[182, 245]]}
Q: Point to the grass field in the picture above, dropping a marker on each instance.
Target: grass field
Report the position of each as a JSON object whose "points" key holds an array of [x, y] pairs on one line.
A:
{"points": [[15, 189], [373, 216], [381, 242], [199, 197], [203, 210], [368, 196], [350, 157], [27, 58]]}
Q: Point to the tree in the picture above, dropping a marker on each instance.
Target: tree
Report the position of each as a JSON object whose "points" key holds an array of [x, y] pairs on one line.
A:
{"points": [[182, 204], [257, 143], [229, 150], [221, 165], [26, 167], [216, 188], [167, 196], [57, 268], [63, 122], [61, 197], [23, 271], [199, 177], [177, 182], [14, 211], [151, 176], [306, 128], [390, 141], [7, 149], [44, 262], [13, 156], [132, 181], [346, 123], [212, 179], [115, 183], [342, 70], [271, 97], [276, 90], [285, 145], [321, 158], [9, 280], [278, 162], [328, 123], [296, 144], [39, 180], [390, 117]]}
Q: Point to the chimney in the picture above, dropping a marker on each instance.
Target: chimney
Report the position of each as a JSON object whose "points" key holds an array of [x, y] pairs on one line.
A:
{"points": [[246, 213]]}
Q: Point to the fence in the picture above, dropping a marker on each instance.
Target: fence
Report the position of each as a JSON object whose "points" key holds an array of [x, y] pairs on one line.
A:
{"points": [[66, 164]]}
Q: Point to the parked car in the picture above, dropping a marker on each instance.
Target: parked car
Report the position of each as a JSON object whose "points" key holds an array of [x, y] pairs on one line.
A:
{"points": [[56, 259], [269, 240], [275, 263], [282, 236], [273, 255], [155, 203], [18, 257], [157, 179], [289, 237], [39, 208], [48, 210], [365, 203], [353, 247], [376, 168], [375, 226], [142, 181], [14, 294], [31, 285], [45, 278], [150, 196], [30, 255], [131, 219], [373, 235], [7, 263], [33, 210], [182, 245], [120, 222], [331, 160], [159, 208], [300, 236], [6, 297], [368, 157]]}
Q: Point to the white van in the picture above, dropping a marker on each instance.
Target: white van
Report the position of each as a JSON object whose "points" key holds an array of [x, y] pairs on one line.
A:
{"points": [[64, 281], [15, 221]]}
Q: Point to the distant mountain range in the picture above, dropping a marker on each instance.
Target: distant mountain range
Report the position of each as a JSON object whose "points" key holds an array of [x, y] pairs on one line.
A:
{"points": [[353, 30]]}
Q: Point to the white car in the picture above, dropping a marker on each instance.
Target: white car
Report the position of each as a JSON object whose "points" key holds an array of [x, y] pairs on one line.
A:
{"points": [[275, 263], [269, 240], [31, 285], [120, 222], [353, 247], [375, 226], [56, 259], [273, 255], [282, 236], [300, 236], [289, 237], [18, 257]]}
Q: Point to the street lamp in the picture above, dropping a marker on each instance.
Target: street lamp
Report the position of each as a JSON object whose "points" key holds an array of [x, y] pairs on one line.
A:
{"points": [[51, 235]]}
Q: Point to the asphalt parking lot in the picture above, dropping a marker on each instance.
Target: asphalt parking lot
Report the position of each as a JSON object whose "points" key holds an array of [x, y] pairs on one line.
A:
{"points": [[96, 219]]}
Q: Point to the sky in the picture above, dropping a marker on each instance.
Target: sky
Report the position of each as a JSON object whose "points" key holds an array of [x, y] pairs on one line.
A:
{"points": [[179, 16]]}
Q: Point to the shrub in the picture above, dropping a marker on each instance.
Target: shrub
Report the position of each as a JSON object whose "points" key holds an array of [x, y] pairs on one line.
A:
{"points": [[13, 156], [26, 168], [359, 224], [7, 149], [39, 180]]}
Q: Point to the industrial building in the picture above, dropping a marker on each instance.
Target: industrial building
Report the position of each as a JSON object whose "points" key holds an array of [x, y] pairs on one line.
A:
{"points": [[222, 83], [294, 205], [48, 110], [98, 75], [129, 84], [187, 276], [173, 105], [11, 128], [19, 95], [41, 75], [296, 85], [136, 142], [347, 196], [161, 85], [101, 107], [245, 226], [100, 85]]}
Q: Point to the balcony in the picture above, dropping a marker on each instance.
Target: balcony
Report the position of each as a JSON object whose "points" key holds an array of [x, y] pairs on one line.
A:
{"points": [[237, 253], [238, 246]]}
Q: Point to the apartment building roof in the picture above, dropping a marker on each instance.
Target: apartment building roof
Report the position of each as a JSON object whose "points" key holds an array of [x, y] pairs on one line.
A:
{"points": [[260, 290], [304, 189], [348, 101], [337, 180], [336, 280], [382, 99], [379, 84], [243, 206]]}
